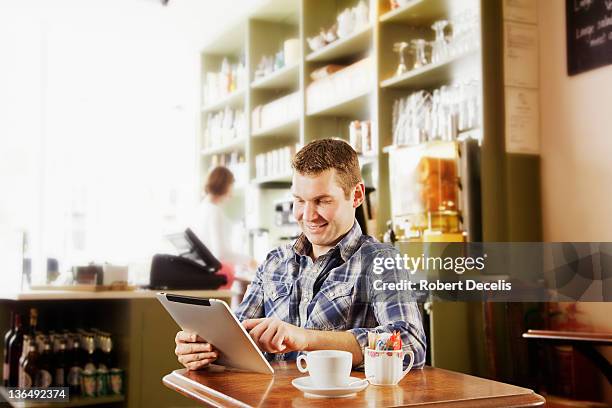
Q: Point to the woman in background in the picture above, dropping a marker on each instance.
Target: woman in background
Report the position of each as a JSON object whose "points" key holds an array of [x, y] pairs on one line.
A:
{"points": [[212, 225]]}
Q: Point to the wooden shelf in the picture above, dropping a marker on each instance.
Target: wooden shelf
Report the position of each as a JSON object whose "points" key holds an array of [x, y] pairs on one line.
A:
{"points": [[283, 178], [435, 148], [239, 189], [349, 107], [419, 12], [229, 42], [106, 295], [278, 11], [357, 42], [290, 127], [367, 159], [271, 22], [236, 144], [429, 75], [284, 78], [234, 100]]}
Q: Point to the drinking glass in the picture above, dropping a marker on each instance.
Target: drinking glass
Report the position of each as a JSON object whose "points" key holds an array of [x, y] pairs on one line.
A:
{"points": [[420, 59], [440, 49], [399, 47]]}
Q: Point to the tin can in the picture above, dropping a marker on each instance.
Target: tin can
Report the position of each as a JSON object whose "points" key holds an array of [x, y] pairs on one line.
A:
{"points": [[88, 379], [116, 381], [102, 380]]}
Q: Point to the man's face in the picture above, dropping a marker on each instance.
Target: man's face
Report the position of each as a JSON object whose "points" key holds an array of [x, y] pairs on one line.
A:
{"points": [[321, 209]]}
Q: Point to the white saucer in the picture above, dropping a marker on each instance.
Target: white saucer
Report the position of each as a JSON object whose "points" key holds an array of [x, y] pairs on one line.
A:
{"points": [[305, 385]]}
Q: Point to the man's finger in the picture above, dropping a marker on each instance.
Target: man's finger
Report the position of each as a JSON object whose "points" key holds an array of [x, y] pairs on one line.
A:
{"points": [[188, 337], [279, 339], [198, 364], [190, 358], [250, 323], [192, 348], [266, 338], [258, 330]]}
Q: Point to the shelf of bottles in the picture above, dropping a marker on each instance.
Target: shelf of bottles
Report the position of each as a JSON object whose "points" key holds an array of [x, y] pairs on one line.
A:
{"points": [[456, 41], [224, 125], [439, 115], [425, 185], [220, 87], [223, 130], [427, 129], [275, 165], [82, 360], [361, 138], [235, 162]]}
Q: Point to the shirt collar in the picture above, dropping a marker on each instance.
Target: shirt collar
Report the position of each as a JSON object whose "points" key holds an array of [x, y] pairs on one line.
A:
{"points": [[347, 245]]}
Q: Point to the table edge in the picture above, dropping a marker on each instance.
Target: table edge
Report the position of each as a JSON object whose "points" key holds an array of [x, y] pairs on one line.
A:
{"points": [[173, 382], [567, 337]]}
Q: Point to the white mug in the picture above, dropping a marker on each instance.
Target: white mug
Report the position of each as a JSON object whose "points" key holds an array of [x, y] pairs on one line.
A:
{"points": [[327, 368], [291, 49], [385, 367]]}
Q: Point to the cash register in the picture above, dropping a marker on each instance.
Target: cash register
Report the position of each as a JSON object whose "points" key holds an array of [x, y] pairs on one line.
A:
{"points": [[194, 268]]}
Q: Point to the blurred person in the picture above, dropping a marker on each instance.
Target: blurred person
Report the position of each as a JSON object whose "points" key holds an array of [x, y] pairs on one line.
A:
{"points": [[213, 227], [307, 295]]}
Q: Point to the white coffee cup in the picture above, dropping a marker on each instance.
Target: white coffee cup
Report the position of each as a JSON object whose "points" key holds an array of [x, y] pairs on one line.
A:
{"points": [[386, 367], [291, 48], [327, 368]]}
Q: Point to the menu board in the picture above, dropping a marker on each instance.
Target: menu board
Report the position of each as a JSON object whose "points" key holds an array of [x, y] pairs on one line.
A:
{"points": [[521, 11], [522, 121], [589, 34], [521, 55]]}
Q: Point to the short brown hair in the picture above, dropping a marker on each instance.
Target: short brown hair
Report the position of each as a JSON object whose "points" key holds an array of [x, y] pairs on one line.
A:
{"points": [[321, 155], [219, 181]]}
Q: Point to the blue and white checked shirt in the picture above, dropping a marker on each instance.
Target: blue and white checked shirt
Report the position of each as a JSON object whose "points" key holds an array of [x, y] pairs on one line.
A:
{"points": [[284, 287]]}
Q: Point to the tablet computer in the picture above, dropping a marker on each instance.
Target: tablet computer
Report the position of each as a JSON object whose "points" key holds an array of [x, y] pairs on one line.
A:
{"points": [[214, 321]]}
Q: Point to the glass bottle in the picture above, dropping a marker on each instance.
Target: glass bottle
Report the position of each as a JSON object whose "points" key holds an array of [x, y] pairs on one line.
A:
{"points": [[59, 374], [98, 353], [33, 323], [88, 375], [110, 354], [30, 366], [90, 348], [24, 353], [75, 368], [15, 350], [439, 50], [105, 357], [43, 378], [7, 338], [399, 47], [420, 59]]}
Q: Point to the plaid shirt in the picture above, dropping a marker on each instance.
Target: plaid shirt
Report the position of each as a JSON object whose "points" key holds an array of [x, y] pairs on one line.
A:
{"points": [[284, 287]]}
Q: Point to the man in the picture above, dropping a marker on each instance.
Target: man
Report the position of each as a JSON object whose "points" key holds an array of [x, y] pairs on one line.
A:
{"points": [[318, 292]]}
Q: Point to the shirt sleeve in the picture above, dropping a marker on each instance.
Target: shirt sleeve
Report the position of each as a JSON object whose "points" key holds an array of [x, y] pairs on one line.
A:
{"points": [[251, 306], [394, 310]]}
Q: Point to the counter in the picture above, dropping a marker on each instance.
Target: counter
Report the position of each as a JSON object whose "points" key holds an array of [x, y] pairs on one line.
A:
{"points": [[224, 294], [142, 332]]}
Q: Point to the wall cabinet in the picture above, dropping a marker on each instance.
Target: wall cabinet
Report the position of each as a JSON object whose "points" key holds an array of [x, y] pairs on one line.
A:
{"points": [[499, 203]]}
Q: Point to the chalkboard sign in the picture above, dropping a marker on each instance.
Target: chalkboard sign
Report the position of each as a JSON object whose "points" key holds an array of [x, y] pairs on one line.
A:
{"points": [[589, 34]]}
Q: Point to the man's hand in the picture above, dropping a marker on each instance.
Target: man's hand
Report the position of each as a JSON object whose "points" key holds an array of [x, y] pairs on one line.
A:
{"points": [[275, 336], [193, 351]]}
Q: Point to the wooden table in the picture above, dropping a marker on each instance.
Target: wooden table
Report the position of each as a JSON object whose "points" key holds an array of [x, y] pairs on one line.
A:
{"points": [[582, 341], [432, 386]]}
